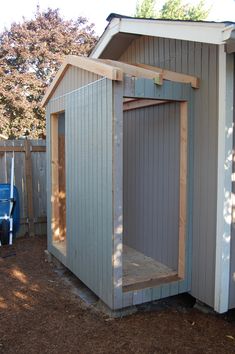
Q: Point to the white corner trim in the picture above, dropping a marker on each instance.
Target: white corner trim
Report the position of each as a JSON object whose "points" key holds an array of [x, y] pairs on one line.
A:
{"points": [[224, 181]]}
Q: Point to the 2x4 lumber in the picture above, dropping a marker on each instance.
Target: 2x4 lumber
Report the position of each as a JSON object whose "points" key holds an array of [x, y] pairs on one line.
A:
{"points": [[135, 104], [134, 70], [38, 148], [151, 283], [173, 76], [96, 67], [183, 188], [62, 186], [12, 149]]}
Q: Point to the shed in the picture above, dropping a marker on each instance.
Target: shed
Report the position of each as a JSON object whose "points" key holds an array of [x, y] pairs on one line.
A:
{"points": [[140, 152]]}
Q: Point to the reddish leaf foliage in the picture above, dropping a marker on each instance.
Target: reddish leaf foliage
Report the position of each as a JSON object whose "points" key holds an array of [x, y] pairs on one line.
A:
{"points": [[30, 55]]}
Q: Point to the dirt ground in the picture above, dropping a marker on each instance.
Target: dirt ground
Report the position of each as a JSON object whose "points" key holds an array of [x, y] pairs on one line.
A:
{"points": [[40, 314]]}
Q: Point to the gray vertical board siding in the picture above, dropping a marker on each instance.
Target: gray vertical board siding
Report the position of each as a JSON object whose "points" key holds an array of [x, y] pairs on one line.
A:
{"points": [[151, 182], [200, 60], [232, 245], [73, 79], [88, 131]]}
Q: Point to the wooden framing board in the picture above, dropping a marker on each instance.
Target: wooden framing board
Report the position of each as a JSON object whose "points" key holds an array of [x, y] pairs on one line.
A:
{"points": [[29, 185], [62, 186], [54, 179], [183, 188], [38, 148], [96, 67], [133, 70], [33, 148], [140, 103], [172, 75], [12, 148]]}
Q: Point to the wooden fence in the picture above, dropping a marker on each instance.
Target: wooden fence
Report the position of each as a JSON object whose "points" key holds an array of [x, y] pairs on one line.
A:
{"points": [[30, 179]]}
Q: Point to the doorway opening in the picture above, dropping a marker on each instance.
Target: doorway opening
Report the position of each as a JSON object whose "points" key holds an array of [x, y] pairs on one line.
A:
{"points": [[58, 182], [154, 192]]}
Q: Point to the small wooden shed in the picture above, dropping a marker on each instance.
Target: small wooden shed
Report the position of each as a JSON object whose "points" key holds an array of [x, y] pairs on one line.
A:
{"points": [[123, 149]]}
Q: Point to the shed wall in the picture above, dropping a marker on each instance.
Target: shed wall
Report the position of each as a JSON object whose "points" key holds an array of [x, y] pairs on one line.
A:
{"points": [[72, 80], [88, 145], [197, 59], [151, 182]]}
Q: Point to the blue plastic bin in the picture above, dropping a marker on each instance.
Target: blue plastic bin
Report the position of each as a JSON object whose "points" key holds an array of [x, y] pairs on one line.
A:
{"points": [[5, 189]]}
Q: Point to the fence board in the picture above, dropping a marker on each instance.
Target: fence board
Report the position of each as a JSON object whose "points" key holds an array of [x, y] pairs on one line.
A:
{"points": [[29, 178]]}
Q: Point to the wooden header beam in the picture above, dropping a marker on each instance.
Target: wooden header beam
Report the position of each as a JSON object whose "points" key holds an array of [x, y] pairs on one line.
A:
{"points": [[135, 70], [96, 67], [173, 76], [141, 103]]}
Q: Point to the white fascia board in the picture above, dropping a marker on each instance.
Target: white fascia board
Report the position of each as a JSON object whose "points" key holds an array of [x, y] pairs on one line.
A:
{"points": [[188, 31], [214, 33], [224, 181]]}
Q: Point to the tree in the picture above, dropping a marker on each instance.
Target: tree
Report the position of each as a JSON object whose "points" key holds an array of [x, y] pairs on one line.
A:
{"points": [[145, 9], [30, 55], [173, 9]]}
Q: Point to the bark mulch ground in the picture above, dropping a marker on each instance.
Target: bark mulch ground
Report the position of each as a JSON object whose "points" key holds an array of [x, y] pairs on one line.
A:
{"points": [[39, 313]]}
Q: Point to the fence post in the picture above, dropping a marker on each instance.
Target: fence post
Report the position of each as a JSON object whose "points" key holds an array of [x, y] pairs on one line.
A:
{"points": [[29, 186]]}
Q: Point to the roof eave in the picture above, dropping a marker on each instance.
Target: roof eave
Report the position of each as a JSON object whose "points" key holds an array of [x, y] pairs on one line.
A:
{"points": [[204, 32]]}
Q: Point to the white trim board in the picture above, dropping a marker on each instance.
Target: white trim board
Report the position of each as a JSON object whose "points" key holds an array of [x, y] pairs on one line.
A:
{"points": [[224, 181]]}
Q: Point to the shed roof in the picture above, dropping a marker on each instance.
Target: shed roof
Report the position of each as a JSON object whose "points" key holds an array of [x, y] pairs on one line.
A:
{"points": [[114, 70], [121, 30]]}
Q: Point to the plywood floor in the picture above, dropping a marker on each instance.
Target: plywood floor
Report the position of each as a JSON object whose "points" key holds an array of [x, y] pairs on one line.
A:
{"points": [[140, 271]]}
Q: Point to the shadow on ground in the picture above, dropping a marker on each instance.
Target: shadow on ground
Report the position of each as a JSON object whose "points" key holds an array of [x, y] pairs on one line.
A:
{"points": [[41, 312]]}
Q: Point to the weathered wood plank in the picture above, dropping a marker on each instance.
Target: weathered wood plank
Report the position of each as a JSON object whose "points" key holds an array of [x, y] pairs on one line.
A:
{"points": [[37, 158], [29, 185], [173, 76]]}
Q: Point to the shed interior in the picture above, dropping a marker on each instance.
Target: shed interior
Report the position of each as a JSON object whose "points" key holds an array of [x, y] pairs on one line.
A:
{"points": [[151, 172]]}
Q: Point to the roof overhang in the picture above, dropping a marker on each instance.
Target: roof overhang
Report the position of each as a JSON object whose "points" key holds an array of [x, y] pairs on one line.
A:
{"points": [[121, 30]]}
